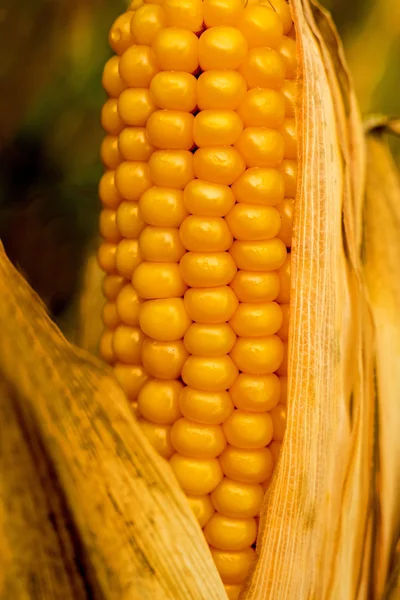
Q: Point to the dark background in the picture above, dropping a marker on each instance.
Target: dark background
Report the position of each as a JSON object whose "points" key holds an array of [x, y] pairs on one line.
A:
{"points": [[52, 55]]}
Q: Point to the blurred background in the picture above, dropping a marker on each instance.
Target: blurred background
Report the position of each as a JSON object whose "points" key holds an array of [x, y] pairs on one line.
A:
{"points": [[52, 56]]}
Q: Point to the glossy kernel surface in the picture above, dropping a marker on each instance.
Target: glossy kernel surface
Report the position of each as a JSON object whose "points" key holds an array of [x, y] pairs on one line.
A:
{"points": [[165, 319], [209, 339], [158, 401], [211, 374], [211, 305], [198, 440], [226, 533], [196, 476], [210, 408]]}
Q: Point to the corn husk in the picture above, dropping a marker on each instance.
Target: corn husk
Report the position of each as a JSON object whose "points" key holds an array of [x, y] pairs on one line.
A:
{"points": [[381, 262], [329, 526]]}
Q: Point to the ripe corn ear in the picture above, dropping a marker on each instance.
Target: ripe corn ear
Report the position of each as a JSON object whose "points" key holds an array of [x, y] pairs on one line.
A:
{"points": [[201, 163]]}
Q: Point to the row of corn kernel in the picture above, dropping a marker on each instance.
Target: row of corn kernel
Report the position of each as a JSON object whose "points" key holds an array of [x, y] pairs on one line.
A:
{"points": [[120, 227], [232, 530]]}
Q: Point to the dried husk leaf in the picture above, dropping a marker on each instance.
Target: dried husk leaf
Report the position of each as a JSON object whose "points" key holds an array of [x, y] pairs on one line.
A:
{"points": [[316, 533], [37, 556], [381, 258], [136, 535]]}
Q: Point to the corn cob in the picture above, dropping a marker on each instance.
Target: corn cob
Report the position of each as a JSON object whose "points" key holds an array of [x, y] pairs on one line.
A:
{"points": [[200, 158]]}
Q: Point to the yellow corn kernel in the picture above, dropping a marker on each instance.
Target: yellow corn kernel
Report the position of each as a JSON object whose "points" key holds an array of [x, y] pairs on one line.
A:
{"points": [[220, 89], [128, 305], [260, 186], [237, 500], [248, 430], [158, 401], [163, 207], [171, 129], [132, 179], [196, 439], [261, 26], [222, 48], [200, 270], [211, 374], [187, 14], [233, 565], [165, 320], [285, 209], [248, 466], [202, 508], [220, 164], [261, 147], [205, 199], [284, 278], [262, 108], [158, 280], [257, 320], [217, 127], [226, 533], [288, 168], [121, 38], [212, 305], [106, 348], [111, 80], [210, 408], [176, 49], [289, 90], [282, 371], [265, 255], [161, 244], [109, 152], [257, 393], [112, 285], [127, 257], [287, 50], [129, 220], [284, 329], [111, 120], [147, 21], [288, 132], [196, 476], [171, 168], [258, 356], [108, 225], [131, 378], [222, 12], [135, 106], [109, 315], [278, 416], [163, 360], [250, 286], [209, 339], [158, 436], [264, 68], [202, 234], [253, 222], [108, 193], [174, 91], [106, 257], [134, 144], [275, 449], [127, 342]]}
